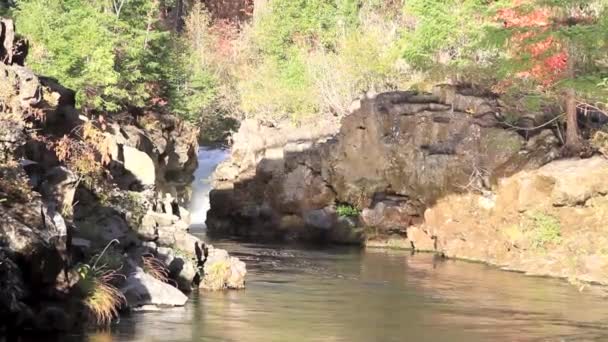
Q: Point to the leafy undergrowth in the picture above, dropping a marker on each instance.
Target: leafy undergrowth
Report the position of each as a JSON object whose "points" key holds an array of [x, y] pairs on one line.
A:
{"points": [[347, 210], [543, 229], [14, 185]]}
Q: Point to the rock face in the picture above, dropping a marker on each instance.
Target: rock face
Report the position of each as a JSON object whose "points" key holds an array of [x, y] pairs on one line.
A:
{"points": [[395, 155], [79, 192], [140, 165], [549, 221]]}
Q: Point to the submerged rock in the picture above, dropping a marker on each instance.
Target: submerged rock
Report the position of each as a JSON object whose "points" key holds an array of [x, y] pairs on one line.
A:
{"points": [[222, 271]]}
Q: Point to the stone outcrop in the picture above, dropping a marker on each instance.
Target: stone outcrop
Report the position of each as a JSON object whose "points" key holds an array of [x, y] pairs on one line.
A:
{"points": [[142, 289], [395, 155], [549, 221], [222, 271], [106, 191]]}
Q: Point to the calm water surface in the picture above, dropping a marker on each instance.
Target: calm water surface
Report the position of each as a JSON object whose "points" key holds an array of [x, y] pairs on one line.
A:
{"points": [[344, 294]]}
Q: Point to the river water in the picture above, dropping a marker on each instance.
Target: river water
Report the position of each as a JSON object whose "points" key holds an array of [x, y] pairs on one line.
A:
{"points": [[298, 293], [345, 294]]}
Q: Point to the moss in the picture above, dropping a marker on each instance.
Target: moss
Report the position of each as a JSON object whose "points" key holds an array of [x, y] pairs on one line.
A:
{"points": [[215, 275], [501, 140]]}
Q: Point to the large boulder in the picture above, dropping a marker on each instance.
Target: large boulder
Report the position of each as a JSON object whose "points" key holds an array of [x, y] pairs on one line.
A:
{"points": [[417, 150], [221, 271], [13, 291], [549, 221], [140, 165], [391, 215], [12, 137], [142, 289], [37, 236], [59, 187], [394, 155]]}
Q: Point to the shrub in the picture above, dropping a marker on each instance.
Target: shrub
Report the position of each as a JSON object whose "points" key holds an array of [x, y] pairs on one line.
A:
{"points": [[307, 58], [543, 229], [347, 210], [364, 60], [100, 297]]}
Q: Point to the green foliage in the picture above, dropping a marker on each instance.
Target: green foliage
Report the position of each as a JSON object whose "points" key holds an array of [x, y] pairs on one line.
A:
{"points": [[5, 8], [113, 59], [347, 210], [544, 229], [451, 28], [311, 57]]}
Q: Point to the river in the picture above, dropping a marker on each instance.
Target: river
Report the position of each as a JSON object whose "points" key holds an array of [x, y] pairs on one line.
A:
{"points": [[345, 294], [300, 293]]}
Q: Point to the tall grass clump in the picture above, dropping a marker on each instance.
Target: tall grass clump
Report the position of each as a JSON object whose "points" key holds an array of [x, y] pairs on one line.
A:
{"points": [[155, 267], [101, 298]]}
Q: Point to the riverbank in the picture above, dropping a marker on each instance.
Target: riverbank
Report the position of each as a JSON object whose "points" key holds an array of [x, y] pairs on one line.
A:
{"points": [[316, 293], [440, 172]]}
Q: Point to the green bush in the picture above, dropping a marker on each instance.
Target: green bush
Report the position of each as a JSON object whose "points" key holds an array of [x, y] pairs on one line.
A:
{"points": [[347, 210], [543, 229], [112, 59], [307, 58]]}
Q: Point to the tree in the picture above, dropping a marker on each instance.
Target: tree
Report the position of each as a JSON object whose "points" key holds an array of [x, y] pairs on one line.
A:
{"points": [[115, 54], [556, 44]]}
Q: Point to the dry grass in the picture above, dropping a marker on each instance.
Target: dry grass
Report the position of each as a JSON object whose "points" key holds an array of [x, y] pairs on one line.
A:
{"points": [[102, 299], [155, 267], [215, 275]]}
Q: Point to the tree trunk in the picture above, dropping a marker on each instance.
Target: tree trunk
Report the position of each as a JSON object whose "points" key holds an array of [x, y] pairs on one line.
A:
{"points": [[7, 39], [179, 16], [574, 143], [573, 139]]}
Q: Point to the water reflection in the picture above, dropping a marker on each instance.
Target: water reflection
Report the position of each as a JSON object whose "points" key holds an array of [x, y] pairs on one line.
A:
{"points": [[349, 295]]}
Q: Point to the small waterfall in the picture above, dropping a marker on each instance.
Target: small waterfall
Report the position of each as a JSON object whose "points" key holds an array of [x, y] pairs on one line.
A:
{"points": [[209, 157]]}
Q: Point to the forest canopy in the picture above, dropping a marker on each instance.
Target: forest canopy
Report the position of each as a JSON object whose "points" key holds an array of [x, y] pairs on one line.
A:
{"points": [[297, 59]]}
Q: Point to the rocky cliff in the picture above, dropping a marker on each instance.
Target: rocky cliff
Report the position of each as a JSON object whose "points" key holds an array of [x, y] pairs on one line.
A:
{"points": [[439, 172], [397, 154], [81, 196]]}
